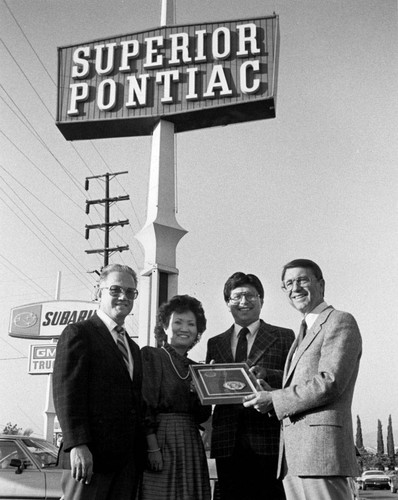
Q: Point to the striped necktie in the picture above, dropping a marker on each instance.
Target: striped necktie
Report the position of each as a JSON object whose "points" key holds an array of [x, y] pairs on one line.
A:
{"points": [[302, 333], [241, 348], [121, 343]]}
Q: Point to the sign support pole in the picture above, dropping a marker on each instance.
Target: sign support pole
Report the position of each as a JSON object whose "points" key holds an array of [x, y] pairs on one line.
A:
{"points": [[49, 411], [161, 233]]}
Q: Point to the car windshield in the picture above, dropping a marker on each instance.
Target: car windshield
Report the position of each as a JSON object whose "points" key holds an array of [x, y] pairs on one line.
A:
{"points": [[44, 452], [375, 473]]}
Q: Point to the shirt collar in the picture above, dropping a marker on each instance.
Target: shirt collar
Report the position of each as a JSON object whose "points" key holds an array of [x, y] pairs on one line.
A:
{"points": [[109, 323], [253, 328], [311, 317]]}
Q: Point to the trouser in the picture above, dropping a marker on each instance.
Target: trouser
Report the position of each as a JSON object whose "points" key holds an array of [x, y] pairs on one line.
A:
{"points": [[248, 476], [121, 484], [319, 488]]}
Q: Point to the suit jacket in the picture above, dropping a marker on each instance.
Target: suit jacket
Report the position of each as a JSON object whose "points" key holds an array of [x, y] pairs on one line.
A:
{"points": [[95, 399], [315, 401], [235, 423]]}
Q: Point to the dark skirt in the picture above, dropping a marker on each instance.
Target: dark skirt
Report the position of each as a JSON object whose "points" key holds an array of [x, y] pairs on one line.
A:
{"points": [[185, 475]]}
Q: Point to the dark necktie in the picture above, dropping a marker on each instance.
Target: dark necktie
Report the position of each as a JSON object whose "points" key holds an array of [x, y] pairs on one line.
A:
{"points": [[241, 348], [121, 343], [302, 332]]}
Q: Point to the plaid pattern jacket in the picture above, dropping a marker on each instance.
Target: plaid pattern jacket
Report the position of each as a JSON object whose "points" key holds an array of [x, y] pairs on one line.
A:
{"points": [[235, 423], [95, 399]]}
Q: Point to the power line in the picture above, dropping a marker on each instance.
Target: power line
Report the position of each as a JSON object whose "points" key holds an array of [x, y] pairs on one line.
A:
{"points": [[25, 275], [30, 45], [33, 131], [41, 100], [26, 77], [36, 135], [40, 201], [37, 168], [15, 349], [37, 236], [40, 222]]}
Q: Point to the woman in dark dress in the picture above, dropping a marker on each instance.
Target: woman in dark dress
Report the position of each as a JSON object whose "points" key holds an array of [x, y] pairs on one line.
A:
{"points": [[177, 465]]}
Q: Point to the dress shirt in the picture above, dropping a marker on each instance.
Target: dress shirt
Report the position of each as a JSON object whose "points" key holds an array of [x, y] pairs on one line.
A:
{"points": [[253, 329], [110, 324], [311, 317]]}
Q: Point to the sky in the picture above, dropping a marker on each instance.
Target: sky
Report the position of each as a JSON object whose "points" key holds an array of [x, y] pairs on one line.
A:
{"points": [[319, 181]]}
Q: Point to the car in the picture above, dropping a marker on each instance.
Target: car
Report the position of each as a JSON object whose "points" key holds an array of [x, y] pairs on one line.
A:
{"points": [[393, 477], [373, 479], [28, 468]]}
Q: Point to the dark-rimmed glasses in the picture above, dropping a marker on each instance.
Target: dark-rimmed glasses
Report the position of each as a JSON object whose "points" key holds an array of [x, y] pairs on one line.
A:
{"points": [[237, 297], [287, 286], [116, 290]]}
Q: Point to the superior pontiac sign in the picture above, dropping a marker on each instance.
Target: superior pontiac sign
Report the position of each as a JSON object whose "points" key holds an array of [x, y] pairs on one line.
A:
{"points": [[192, 75], [48, 319]]}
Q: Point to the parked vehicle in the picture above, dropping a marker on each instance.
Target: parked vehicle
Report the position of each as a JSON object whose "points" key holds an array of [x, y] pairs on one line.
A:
{"points": [[373, 479], [28, 468]]}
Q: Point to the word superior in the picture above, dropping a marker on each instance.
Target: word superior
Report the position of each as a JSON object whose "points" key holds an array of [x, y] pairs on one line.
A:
{"points": [[148, 71]]}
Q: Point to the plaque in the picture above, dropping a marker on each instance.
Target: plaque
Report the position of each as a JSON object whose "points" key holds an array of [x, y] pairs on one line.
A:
{"points": [[224, 383]]}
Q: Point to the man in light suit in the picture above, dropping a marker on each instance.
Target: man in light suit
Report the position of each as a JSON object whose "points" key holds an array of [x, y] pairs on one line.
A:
{"points": [[97, 396], [244, 442], [317, 453]]}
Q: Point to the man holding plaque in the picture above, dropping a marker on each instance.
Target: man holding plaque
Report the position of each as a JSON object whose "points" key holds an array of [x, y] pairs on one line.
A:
{"points": [[317, 453], [244, 442]]}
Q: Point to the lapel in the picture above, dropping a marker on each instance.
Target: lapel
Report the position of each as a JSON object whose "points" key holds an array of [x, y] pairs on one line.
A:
{"points": [[312, 333], [106, 338], [264, 339], [224, 346]]}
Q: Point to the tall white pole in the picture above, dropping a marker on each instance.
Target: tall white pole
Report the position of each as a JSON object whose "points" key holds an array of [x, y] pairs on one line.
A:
{"points": [[167, 17], [161, 233], [49, 411]]}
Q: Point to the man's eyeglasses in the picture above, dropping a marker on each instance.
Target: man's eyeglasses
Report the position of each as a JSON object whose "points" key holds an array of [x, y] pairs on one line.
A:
{"points": [[237, 297], [288, 285], [115, 291]]}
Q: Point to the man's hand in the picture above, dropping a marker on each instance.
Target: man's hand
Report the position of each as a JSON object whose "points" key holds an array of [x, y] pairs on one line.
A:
{"points": [[262, 401], [259, 371], [81, 461]]}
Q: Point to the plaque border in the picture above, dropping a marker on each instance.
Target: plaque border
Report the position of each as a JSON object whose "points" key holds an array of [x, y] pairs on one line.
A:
{"points": [[208, 397]]}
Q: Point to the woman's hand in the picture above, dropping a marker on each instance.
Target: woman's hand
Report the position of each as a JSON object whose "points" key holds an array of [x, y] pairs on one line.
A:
{"points": [[155, 460]]}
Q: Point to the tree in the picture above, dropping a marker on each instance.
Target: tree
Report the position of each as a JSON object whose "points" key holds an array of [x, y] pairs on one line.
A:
{"points": [[380, 442], [390, 443], [358, 438], [14, 429], [11, 429]]}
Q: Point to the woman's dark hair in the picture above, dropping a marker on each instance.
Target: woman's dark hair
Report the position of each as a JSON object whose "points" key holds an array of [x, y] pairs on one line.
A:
{"points": [[241, 279], [179, 304]]}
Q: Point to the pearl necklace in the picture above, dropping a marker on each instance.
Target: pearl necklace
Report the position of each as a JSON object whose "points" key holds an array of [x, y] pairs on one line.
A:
{"points": [[174, 366]]}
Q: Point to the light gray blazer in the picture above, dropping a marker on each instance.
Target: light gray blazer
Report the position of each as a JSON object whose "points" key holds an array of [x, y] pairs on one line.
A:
{"points": [[314, 403]]}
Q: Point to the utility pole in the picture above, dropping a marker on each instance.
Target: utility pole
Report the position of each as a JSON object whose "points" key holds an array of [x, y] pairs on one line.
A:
{"points": [[107, 226]]}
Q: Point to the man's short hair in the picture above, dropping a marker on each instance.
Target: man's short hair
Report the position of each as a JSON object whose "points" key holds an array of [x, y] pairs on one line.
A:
{"points": [[117, 268], [307, 264], [241, 279]]}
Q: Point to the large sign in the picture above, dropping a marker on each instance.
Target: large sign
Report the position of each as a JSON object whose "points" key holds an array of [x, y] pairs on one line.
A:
{"points": [[195, 76], [41, 359], [48, 319]]}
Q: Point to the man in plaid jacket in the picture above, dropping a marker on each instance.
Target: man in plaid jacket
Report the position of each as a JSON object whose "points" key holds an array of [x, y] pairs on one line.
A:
{"points": [[244, 442]]}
